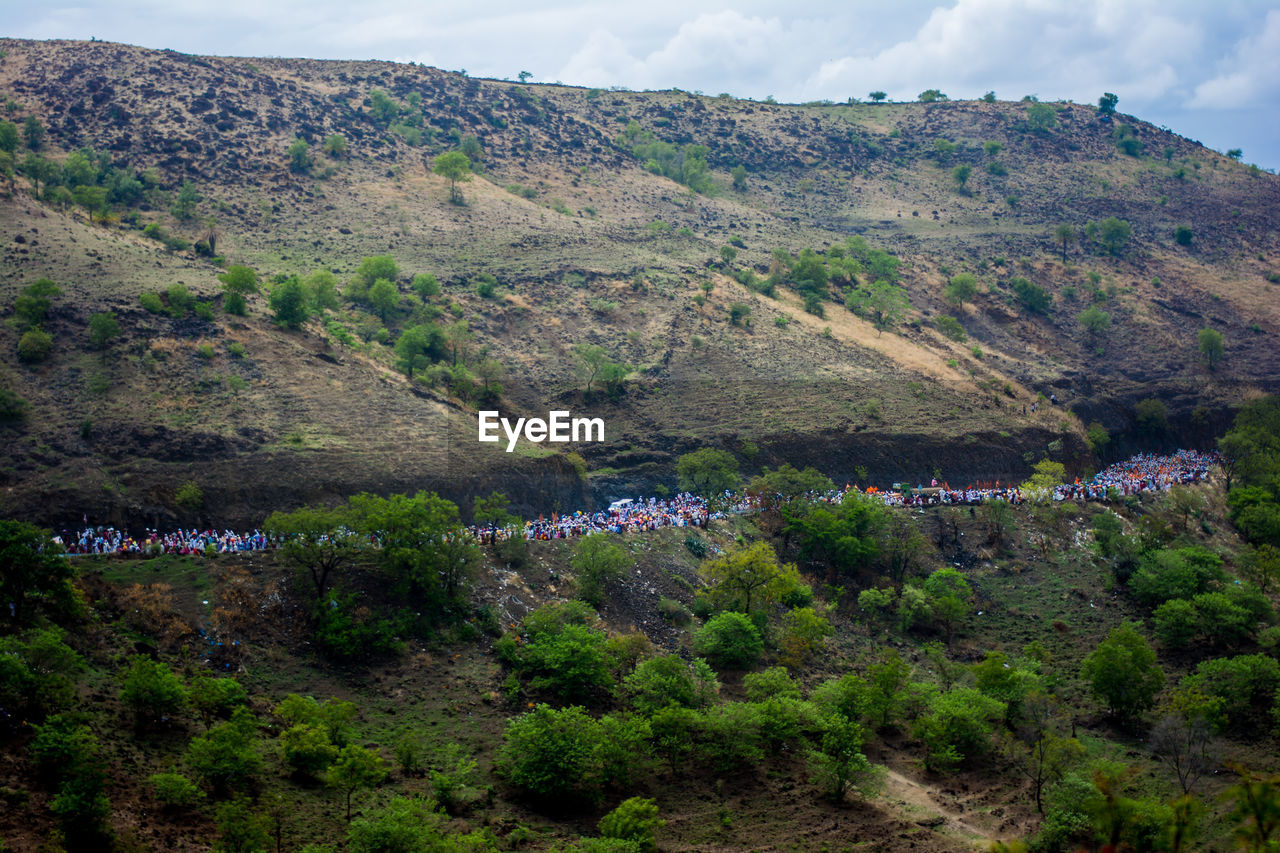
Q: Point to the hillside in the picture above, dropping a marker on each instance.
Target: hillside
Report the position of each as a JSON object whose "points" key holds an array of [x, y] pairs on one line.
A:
{"points": [[587, 245]]}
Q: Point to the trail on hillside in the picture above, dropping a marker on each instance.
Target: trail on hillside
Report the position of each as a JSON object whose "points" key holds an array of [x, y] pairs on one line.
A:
{"points": [[912, 793]]}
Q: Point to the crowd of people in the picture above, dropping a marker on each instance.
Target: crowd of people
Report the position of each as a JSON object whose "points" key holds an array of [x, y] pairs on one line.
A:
{"points": [[1136, 475], [109, 540]]}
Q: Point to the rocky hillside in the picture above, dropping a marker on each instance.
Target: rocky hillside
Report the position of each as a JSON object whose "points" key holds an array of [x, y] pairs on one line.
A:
{"points": [[576, 215]]}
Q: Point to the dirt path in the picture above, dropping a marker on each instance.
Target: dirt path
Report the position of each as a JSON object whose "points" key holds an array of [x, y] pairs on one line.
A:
{"points": [[917, 797]]}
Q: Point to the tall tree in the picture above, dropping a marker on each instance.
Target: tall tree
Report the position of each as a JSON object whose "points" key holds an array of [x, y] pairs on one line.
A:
{"points": [[455, 167]]}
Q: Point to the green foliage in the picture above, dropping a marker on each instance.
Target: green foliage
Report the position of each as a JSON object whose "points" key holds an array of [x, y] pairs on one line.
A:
{"points": [[216, 698], [335, 145], [884, 304], [152, 690], [749, 578], [930, 96], [226, 756], [346, 630], [1033, 297], [299, 156], [1245, 685], [426, 285], [175, 791], [770, 683], [31, 308], [1183, 235], [667, 681], [729, 640], [961, 289], [739, 314], [1126, 140], [1041, 118], [837, 764], [950, 327], [1122, 672], [354, 768], [240, 830], [189, 496], [288, 301], [102, 328], [804, 631], [36, 576], [403, 826], [307, 750], [1211, 347], [185, 202], [687, 165], [151, 302], [554, 755], [383, 298], [957, 726], [1095, 321], [418, 347], [634, 820], [1107, 104], [455, 167], [1174, 573], [844, 537], [960, 174], [707, 472], [37, 673], [34, 346], [787, 483], [596, 561], [1113, 234]]}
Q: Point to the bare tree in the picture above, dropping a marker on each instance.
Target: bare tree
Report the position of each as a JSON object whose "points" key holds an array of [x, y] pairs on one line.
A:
{"points": [[1184, 743]]}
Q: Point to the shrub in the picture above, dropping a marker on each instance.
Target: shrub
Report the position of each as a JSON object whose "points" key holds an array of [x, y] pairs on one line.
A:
{"points": [[739, 314], [152, 690], [1246, 685], [667, 681], [950, 327], [1122, 671], [730, 640], [152, 302], [34, 346], [175, 791], [307, 749], [596, 561], [346, 630], [1167, 573], [770, 683], [215, 698], [957, 726], [1183, 235], [226, 756], [554, 755], [13, 408], [1033, 297], [634, 820], [962, 288], [189, 496]]}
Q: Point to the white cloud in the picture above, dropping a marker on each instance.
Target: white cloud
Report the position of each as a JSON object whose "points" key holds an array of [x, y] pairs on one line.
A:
{"points": [[1250, 74]]}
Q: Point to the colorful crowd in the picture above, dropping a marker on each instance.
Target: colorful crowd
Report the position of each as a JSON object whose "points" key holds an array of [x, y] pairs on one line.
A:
{"points": [[1142, 473]]}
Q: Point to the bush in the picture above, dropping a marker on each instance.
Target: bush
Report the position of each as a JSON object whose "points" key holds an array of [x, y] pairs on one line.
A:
{"points": [[189, 496], [152, 690], [226, 757], [12, 407], [175, 791], [346, 630], [770, 683], [950, 327], [729, 640], [215, 698], [634, 819], [307, 750], [37, 673], [34, 346], [1246, 685], [1033, 297], [1168, 573], [152, 302], [739, 314], [667, 681], [957, 726], [554, 755], [1183, 235]]}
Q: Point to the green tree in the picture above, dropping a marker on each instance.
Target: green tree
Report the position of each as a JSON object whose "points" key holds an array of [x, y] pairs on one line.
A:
{"points": [[960, 174], [299, 156], [215, 698], [102, 328], [31, 308], [1041, 118], [34, 346], [554, 755], [930, 96], [152, 690], [885, 304], [37, 673], [949, 594], [419, 346], [1114, 233], [1095, 321], [838, 763], [33, 133], [739, 175], [355, 768], [957, 726], [729, 640], [1255, 810], [634, 820], [988, 97], [1064, 234], [382, 108], [1211, 347], [455, 167], [1183, 235], [961, 289], [1122, 672], [426, 285], [318, 541], [288, 301], [335, 145], [240, 830], [238, 281], [8, 137], [1033, 297], [384, 297], [596, 561], [707, 471], [749, 578], [175, 791], [184, 203], [667, 681], [877, 96], [36, 576], [226, 756], [1107, 104]]}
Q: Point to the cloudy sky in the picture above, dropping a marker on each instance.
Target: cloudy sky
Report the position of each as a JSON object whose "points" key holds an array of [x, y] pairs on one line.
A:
{"points": [[1207, 70]]}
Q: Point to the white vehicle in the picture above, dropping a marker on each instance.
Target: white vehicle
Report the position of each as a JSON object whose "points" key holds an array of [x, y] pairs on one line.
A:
{"points": [[622, 504]]}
